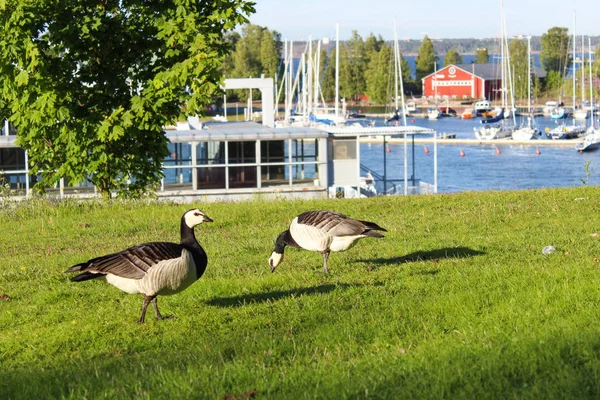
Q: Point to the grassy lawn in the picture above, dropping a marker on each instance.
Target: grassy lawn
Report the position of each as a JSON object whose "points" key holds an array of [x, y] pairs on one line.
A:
{"points": [[457, 301]]}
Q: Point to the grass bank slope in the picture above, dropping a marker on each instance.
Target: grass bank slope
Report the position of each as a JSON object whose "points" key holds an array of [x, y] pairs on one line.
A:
{"points": [[457, 301]]}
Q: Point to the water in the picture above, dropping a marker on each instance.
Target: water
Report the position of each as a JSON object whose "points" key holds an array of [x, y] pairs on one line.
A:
{"points": [[467, 59], [482, 168]]}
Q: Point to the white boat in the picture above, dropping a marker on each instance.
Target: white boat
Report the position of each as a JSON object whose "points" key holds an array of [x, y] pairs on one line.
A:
{"points": [[549, 106], [433, 113], [529, 131], [483, 106], [590, 141], [499, 130], [558, 113], [581, 114], [564, 131], [411, 107], [503, 128]]}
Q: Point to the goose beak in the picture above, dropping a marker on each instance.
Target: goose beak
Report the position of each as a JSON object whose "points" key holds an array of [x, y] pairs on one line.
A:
{"points": [[207, 218]]}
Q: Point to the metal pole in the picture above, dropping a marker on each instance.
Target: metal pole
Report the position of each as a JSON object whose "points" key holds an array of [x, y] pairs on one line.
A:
{"points": [[405, 164], [435, 165], [384, 166]]}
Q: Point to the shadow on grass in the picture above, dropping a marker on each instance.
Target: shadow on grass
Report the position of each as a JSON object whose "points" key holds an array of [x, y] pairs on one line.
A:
{"points": [[239, 301], [431, 255]]}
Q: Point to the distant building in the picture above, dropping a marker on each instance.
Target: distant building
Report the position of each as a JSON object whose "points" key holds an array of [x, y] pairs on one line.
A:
{"points": [[468, 81]]}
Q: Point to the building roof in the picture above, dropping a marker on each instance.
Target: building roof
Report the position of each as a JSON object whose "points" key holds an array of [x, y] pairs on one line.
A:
{"points": [[241, 131], [489, 71]]}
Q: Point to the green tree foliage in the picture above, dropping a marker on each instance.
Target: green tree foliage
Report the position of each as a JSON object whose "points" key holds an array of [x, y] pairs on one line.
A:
{"points": [[373, 44], [328, 75], [354, 81], [518, 65], [379, 74], [553, 82], [426, 60], [596, 64], [554, 53], [452, 58], [269, 56], [482, 56], [90, 85], [256, 52]]}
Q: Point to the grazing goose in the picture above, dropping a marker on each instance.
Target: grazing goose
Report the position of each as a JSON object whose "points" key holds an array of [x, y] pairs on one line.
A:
{"points": [[322, 231], [152, 269]]}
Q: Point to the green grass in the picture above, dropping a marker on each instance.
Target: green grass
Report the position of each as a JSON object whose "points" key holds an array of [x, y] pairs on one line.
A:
{"points": [[457, 301]]}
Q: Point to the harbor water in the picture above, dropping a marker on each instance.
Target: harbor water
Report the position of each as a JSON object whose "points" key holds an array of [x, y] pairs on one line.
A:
{"points": [[485, 166]]}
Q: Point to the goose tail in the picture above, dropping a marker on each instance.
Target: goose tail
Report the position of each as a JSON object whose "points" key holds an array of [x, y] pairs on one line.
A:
{"points": [[372, 226]]}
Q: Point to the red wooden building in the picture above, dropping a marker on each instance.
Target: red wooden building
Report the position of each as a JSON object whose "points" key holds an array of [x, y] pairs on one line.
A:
{"points": [[463, 81]]}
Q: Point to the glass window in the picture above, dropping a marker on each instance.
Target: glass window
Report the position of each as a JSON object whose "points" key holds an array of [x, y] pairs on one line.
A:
{"points": [[12, 159], [273, 151], [344, 149], [304, 150], [211, 178], [242, 153], [179, 154], [210, 153], [274, 175], [242, 177], [304, 174]]}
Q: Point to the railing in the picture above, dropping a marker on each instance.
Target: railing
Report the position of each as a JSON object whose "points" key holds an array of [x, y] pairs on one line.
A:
{"points": [[396, 186]]}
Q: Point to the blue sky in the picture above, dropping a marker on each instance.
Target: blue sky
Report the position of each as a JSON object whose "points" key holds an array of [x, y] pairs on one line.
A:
{"points": [[298, 19]]}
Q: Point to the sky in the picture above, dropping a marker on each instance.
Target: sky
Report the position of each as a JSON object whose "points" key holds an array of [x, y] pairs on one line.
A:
{"points": [[438, 19]]}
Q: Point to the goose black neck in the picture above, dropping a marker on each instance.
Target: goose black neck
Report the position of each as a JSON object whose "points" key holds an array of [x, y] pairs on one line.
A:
{"points": [[189, 242], [284, 239]]}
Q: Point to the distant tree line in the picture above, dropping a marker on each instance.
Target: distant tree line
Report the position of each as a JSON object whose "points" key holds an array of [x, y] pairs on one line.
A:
{"points": [[366, 65]]}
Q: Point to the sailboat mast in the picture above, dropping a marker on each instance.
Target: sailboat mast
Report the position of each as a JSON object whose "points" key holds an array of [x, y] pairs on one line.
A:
{"points": [[337, 70], [399, 63], [582, 70], [395, 68], [592, 109], [529, 77], [574, 66]]}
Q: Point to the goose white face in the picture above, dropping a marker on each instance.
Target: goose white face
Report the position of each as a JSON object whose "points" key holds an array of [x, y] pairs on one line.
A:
{"points": [[195, 217], [275, 260]]}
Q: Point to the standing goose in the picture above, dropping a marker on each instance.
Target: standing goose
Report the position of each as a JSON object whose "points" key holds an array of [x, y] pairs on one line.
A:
{"points": [[152, 269], [322, 231]]}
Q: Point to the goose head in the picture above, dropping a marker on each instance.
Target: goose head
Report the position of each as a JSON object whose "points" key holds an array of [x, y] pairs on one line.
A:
{"points": [[195, 217], [277, 255]]}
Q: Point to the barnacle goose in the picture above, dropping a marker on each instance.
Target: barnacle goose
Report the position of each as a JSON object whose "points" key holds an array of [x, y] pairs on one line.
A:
{"points": [[152, 269], [323, 231]]}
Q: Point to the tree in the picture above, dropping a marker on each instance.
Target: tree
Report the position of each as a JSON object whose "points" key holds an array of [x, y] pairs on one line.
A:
{"points": [[269, 57], [91, 85], [374, 44], [328, 76], [425, 60], [452, 58], [518, 65], [355, 83], [554, 53], [379, 75], [482, 56], [257, 51], [596, 64]]}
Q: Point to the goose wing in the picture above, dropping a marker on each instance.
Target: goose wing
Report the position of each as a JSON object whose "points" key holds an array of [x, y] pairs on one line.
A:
{"points": [[336, 224], [132, 263]]}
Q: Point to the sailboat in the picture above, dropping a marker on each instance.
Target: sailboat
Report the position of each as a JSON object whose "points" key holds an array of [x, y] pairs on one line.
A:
{"points": [[529, 131], [504, 128], [562, 130], [581, 113], [591, 140]]}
